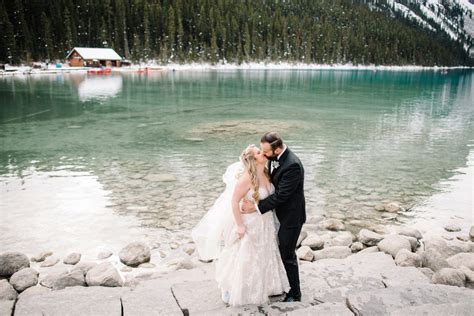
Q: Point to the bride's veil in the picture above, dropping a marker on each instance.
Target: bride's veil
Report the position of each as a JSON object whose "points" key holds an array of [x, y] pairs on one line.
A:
{"points": [[214, 227]]}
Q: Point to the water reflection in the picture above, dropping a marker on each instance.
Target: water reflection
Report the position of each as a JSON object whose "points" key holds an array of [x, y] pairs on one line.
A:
{"points": [[99, 87]]}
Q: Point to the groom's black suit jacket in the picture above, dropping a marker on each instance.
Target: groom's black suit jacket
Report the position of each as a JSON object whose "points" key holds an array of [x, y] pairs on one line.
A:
{"points": [[288, 199]]}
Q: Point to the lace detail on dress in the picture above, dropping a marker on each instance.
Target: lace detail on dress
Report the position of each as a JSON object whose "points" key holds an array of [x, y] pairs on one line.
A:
{"points": [[249, 270]]}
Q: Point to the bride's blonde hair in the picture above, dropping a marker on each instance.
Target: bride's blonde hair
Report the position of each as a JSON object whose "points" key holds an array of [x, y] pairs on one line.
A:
{"points": [[250, 164]]}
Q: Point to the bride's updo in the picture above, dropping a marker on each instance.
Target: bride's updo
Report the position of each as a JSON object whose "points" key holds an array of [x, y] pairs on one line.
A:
{"points": [[250, 164]]}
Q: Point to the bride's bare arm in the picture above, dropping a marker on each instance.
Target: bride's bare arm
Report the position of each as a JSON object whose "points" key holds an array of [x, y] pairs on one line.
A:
{"points": [[241, 188]]}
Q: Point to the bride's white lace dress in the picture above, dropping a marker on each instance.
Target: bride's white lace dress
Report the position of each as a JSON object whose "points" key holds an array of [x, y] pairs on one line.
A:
{"points": [[250, 269]]}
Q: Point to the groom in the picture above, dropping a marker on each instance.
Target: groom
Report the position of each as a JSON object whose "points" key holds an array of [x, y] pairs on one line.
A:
{"points": [[287, 176]]}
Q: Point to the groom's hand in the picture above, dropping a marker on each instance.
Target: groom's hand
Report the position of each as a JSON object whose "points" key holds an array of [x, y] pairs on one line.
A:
{"points": [[247, 207]]}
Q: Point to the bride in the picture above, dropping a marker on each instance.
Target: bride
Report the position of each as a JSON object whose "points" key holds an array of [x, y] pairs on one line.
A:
{"points": [[249, 268]]}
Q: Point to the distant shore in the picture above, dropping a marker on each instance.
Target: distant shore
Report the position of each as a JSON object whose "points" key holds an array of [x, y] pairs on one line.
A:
{"points": [[152, 66]]}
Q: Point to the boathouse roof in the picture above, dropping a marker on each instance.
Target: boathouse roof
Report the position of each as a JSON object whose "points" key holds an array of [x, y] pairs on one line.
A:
{"points": [[96, 53]]}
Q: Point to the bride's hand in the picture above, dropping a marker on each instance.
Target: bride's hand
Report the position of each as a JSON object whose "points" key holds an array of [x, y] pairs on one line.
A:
{"points": [[241, 230]]}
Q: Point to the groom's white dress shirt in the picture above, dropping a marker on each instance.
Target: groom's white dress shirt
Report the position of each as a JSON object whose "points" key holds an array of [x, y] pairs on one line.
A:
{"points": [[271, 170]]}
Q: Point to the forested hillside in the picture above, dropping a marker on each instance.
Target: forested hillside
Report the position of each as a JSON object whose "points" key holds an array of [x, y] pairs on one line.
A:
{"points": [[331, 31]]}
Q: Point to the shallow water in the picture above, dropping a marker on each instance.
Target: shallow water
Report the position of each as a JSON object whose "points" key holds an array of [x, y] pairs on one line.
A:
{"points": [[134, 152]]}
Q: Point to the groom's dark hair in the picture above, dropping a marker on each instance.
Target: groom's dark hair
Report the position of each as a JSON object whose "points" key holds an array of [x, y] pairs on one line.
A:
{"points": [[273, 138]]}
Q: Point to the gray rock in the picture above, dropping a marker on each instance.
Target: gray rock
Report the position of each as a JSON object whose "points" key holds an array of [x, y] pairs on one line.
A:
{"points": [[471, 232], [369, 250], [135, 254], [185, 263], [392, 244], [343, 239], [392, 207], [11, 262], [303, 235], [147, 265], [432, 259], [7, 292], [332, 224], [313, 241], [41, 256], [453, 309], [468, 273], [104, 274], [151, 298], [452, 228], [34, 290], [71, 301], [84, 266], [189, 249], [406, 258], [447, 248], [6, 307], [330, 308], [413, 242], [104, 254], [49, 279], [49, 262], [209, 297], [357, 246], [449, 276], [394, 299], [336, 252], [68, 279], [72, 258], [462, 259], [305, 253], [427, 272], [369, 238], [463, 237], [24, 279], [409, 231]]}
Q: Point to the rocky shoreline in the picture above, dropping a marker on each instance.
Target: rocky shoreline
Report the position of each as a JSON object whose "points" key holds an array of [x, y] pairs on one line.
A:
{"points": [[379, 270]]}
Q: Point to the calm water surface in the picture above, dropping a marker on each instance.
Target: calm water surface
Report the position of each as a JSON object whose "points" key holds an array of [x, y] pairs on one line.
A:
{"points": [[129, 154]]}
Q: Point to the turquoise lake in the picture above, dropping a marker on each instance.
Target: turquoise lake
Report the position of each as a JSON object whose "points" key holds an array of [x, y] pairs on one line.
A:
{"points": [[149, 150]]}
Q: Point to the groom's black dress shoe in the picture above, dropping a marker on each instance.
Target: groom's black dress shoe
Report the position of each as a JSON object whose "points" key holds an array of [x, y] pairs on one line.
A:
{"points": [[290, 299]]}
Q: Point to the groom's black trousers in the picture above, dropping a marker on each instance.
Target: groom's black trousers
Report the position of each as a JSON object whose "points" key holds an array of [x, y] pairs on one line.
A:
{"points": [[287, 238]]}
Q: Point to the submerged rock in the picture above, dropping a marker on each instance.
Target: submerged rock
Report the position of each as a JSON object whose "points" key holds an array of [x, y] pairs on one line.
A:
{"points": [[72, 258]]}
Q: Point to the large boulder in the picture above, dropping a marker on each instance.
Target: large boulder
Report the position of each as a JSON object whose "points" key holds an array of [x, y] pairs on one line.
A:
{"points": [[11, 262], [34, 290], [392, 244], [7, 292], [305, 253], [432, 259], [393, 299], [75, 300], [462, 259], [406, 258], [369, 238], [336, 252], [24, 279], [49, 262], [73, 278], [449, 276], [104, 274], [135, 254], [313, 241]]}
